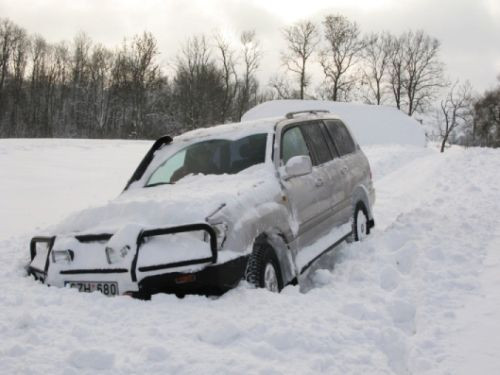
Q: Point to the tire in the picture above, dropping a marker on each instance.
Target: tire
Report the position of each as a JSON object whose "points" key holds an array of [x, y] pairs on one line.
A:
{"points": [[360, 223], [263, 269]]}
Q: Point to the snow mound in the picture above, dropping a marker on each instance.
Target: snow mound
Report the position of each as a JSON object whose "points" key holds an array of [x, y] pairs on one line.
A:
{"points": [[419, 296], [371, 124]]}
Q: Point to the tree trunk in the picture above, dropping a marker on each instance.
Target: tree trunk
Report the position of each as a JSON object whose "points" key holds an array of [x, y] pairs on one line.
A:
{"points": [[443, 143]]}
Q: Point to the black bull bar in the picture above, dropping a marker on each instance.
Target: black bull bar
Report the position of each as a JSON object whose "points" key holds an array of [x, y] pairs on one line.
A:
{"points": [[144, 234]]}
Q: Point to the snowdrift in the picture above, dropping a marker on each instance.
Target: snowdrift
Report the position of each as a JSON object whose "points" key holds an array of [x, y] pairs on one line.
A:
{"points": [[419, 296], [371, 124]]}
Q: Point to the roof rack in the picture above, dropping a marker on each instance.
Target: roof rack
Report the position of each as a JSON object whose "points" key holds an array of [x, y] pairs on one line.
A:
{"points": [[290, 115]]}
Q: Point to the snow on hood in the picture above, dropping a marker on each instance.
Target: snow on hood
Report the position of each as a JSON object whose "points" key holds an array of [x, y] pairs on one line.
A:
{"points": [[190, 200]]}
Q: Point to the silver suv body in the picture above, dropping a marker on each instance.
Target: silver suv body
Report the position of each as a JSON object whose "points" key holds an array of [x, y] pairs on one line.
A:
{"points": [[257, 200]]}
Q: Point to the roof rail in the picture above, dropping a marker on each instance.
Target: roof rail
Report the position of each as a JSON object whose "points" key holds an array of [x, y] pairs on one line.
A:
{"points": [[290, 115]]}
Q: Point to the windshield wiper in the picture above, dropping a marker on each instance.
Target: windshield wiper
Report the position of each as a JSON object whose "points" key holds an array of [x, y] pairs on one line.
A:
{"points": [[160, 183]]}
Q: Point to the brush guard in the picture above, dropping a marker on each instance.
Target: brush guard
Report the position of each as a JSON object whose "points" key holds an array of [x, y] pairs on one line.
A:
{"points": [[143, 235]]}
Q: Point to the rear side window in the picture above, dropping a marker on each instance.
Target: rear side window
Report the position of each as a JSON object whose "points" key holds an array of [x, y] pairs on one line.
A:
{"points": [[293, 144], [340, 135], [316, 141]]}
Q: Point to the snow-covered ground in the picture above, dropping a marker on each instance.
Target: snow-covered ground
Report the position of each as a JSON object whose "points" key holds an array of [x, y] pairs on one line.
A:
{"points": [[420, 295]]}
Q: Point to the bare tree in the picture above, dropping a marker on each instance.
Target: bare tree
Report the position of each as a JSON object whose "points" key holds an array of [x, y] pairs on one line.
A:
{"points": [[101, 61], [79, 104], [78, 89], [282, 88], [456, 110], [423, 69], [39, 58], [82, 45], [63, 67], [198, 85], [340, 55], [7, 30], [486, 126], [302, 39], [83, 89], [376, 55], [396, 72], [145, 72], [230, 77], [251, 56], [19, 59]]}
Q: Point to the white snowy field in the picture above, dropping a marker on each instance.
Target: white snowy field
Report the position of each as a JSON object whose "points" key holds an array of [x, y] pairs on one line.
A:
{"points": [[421, 295]]}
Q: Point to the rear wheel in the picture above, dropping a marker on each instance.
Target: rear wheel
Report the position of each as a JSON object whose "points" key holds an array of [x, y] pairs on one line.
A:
{"points": [[360, 223], [263, 268]]}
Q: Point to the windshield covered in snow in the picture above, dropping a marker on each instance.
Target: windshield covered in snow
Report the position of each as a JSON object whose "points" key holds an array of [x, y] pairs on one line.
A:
{"points": [[215, 156]]}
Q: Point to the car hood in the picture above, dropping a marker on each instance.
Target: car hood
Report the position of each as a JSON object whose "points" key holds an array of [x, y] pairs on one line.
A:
{"points": [[190, 200]]}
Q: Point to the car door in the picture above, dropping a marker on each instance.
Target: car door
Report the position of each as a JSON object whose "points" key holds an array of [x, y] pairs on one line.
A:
{"points": [[339, 183], [301, 191], [308, 196], [324, 167], [346, 148]]}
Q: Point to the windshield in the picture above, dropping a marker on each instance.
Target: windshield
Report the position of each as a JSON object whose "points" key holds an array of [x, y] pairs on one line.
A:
{"points": [[216, 156]]}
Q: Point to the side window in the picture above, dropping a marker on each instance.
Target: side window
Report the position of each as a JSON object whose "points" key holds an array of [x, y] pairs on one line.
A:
{"points": [[248, 151], [341, 137], [293, 144], [316, 141]]}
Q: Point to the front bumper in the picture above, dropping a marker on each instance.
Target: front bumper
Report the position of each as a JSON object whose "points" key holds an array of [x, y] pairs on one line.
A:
{"points": [[208, 278], [211, 280]]}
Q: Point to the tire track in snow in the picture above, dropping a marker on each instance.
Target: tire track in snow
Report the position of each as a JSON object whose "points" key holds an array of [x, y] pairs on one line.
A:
{"points": [[424, 259], [471, 336], [404, 189]]}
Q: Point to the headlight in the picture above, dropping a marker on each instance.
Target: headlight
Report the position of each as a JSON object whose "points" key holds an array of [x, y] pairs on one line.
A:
{"points": [[220, 232], [114, 256], [62, 256]]}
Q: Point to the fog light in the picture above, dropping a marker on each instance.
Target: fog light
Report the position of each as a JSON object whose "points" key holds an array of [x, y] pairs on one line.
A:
{"points": [[114, 256], [62, 256]]}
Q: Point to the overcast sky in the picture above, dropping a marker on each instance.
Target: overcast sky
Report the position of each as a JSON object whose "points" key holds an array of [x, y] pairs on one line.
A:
{"points": [[468, 29]]}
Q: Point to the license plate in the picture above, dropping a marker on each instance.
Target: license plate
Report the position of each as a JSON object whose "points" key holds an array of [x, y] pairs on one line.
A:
{"points": [[108, 288]]}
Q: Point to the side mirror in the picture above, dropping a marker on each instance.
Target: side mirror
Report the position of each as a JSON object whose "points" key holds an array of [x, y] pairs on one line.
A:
{"points": [[297, 166]]}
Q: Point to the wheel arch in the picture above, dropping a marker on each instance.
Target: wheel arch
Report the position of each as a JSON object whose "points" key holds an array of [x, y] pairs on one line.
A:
{"points": [[274, 238], [360, 194]]}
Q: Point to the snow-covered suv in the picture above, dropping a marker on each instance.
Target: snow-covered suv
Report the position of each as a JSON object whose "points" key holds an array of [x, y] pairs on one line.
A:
{"points": [[258, 200]]}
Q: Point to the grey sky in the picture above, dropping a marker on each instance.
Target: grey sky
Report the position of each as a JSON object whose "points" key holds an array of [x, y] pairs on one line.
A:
{"points": [[468, 29]]}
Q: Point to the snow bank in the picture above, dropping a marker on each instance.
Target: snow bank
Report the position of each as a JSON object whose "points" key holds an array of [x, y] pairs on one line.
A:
{"points": [[51, 178], [371, 124], [419, 296]]}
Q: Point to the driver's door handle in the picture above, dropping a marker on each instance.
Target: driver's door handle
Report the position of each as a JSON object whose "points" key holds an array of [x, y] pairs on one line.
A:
{"points": [[319, 182]]}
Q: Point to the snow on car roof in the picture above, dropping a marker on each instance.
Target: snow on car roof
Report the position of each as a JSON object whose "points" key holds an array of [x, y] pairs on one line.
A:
{"points": [[232, 130], [371, 124]]}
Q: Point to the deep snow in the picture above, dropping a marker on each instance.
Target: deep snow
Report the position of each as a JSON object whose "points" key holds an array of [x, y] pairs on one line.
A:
{"points": [[371, 124], [418, 296]]}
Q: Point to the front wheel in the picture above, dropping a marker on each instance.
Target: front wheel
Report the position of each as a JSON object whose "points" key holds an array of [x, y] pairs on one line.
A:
{"points": [[360, 223], [263, 269]]}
